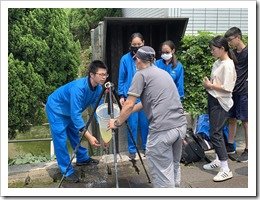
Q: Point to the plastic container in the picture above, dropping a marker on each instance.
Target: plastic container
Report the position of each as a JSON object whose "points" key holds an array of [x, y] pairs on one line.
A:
{"points": [[103, 119]]}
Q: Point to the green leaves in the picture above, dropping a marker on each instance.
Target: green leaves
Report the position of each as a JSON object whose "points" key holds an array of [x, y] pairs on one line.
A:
{"points": [[197, 61], [28, 159], [42, 57], [24, 88], [82, 20]]}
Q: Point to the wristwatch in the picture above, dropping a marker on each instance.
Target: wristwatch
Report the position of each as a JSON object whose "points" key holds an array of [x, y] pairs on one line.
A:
{"points": [[116, 123]]}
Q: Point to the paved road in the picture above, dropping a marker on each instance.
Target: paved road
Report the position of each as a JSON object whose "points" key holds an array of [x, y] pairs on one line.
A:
{"points": [[193, 176], [47, 175]]}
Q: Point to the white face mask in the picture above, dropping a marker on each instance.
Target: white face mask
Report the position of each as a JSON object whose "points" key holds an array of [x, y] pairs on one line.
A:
{"points": [[166, 56]]}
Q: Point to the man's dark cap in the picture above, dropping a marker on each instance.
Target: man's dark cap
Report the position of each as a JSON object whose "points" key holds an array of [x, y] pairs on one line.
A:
{"points": [[145, 53]]}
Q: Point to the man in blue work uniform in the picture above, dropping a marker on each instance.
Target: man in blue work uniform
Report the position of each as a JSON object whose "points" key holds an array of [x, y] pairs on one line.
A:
{"points": [[64, 110]]}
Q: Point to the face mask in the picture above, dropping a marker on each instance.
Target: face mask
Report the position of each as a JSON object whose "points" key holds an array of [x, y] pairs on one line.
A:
{"points": [[166, 56], [134, 49]]}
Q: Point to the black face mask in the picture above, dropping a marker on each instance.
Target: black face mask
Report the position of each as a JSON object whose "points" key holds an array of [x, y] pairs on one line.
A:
{"points": [[134, 49]]}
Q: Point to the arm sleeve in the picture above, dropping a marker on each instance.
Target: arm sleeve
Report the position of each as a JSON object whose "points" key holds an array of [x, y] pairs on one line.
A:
{"points": [[137, 85], [99, 103], [76, 107], [180, 80], [121, 78], [229, 78]]}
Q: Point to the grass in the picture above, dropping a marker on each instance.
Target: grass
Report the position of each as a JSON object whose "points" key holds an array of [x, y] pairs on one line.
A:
{"points": [[38, 151], [30, 152]]}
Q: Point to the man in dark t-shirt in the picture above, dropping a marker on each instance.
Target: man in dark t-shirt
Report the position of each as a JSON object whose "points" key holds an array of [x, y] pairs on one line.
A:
{"points": [[239, 111]]}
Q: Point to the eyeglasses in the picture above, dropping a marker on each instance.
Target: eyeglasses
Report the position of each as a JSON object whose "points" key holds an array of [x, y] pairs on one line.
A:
{"points": [[103, 75], [230, 39]]}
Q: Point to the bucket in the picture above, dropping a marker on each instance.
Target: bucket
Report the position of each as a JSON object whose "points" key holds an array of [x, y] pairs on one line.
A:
{"points": [[103, 119]]}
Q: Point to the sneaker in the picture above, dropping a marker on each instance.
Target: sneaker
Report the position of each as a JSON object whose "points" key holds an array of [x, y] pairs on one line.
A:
{"points": [[223, 175], [243, 157], [213, 165], [72, 178], [90, 161], [233, 156], [132, 156], [230, 148]]}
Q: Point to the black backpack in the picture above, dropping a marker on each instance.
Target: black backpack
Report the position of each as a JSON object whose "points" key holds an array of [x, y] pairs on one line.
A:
{"points": [[191, 149], [205, 145]]}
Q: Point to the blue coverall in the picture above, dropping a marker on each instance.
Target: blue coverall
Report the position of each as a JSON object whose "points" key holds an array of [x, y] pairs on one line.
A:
{"points": [[127, 71], [177, 74], [64, 111]]}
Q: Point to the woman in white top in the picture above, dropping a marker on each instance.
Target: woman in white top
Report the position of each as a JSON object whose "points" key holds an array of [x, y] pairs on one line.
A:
{"points": [[219, 88]]}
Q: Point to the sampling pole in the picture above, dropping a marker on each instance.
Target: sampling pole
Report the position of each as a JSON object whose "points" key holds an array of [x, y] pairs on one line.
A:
{"points": [[110, 86]]}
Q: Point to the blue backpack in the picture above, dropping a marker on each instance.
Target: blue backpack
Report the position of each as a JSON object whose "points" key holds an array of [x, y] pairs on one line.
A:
{"points": [[203, 128]]}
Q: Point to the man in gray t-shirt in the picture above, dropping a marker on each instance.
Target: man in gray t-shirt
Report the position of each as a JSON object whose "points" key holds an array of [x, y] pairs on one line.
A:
{"points": [[159, 97], [161, 103]]}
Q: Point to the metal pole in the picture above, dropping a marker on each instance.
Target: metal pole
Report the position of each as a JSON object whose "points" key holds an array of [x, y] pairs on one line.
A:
{"points": [[110, 86], [30, 140], [132, 138]]}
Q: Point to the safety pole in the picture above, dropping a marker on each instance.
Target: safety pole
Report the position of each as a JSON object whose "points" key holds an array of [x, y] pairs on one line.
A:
{"points": [[109, 85]]}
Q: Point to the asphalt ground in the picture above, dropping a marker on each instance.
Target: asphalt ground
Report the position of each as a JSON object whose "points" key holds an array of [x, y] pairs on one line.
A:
{"points": [[128, 175], [125, 175]]}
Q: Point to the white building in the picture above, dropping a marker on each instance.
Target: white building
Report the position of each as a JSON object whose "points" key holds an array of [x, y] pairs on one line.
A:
{"points": [[216, 20]]}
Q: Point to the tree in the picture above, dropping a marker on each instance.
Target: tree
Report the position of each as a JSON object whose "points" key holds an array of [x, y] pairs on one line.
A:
{"points": [[24, 87], [82, 20], [42, 50]]}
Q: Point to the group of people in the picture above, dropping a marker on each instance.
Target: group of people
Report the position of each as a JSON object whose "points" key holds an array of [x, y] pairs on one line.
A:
{"points": [[227, 98], [127, 70], [151, 93]]}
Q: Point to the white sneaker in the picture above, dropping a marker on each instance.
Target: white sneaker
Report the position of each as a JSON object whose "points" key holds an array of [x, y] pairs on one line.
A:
{"points": [[223, 175], [213, 165]]}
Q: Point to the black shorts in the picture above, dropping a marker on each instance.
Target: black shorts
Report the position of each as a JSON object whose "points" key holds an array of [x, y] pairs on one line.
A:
{"points": [[240, 107]]}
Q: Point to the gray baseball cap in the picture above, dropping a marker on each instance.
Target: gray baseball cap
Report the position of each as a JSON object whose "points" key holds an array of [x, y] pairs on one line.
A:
{"points": [[146, 53]]}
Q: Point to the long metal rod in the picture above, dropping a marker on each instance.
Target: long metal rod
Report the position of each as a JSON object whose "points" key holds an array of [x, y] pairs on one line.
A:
{"points": [[111, 112], [115, 158], [132, 138]]}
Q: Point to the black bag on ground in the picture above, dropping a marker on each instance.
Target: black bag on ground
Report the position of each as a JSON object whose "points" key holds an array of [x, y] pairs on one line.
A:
{"points": [[205, 145], [191, 150]]}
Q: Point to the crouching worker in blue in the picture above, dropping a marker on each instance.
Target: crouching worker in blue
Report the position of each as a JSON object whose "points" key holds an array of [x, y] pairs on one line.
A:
{"points": [[64, 111]]}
